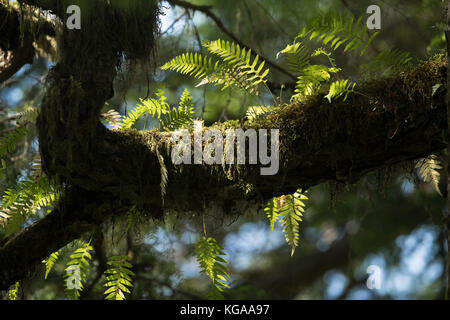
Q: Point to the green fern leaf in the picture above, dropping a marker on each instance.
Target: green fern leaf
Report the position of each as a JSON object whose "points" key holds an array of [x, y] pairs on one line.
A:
{"points": [[76, 271], [429, 170], [291, 208], [339, 88], [13, 291], [22, 201], [9, 141], [297, 57], [50, 262], [388, 62], [113, 118], [247, 74], [335, 30], [271, 210], [119, 277], [209, 254]]}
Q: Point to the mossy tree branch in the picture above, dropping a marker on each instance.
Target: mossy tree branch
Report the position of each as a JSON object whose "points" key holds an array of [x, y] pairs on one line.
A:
{"points": [[389, 121]]}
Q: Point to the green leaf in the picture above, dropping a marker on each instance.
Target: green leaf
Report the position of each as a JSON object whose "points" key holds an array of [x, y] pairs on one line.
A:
{"points": [[209, 254], [119, 279]]}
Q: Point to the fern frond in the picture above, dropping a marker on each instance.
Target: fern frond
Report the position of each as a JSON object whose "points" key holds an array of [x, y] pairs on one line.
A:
{"points": [[76, 271], [151, 106], [13, 291], [181, 117], [118, 279], [290, 208], [335, 30], [271, 210], [191, 64], [28, 196], [30, 115], [429, 170], [312, 76], [209, 254], [388, 62], [50, 262], [339, 88], [297, 56], [9, 141], [247, 74], [114, 119]]}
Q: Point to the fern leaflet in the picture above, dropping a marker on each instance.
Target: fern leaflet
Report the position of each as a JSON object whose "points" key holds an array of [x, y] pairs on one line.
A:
{"points": [[118, 279], [13, 291], [209, 254], [50, 262], [76, 271], [429, 170], [290, 209], [334, 29], [339, 88]]}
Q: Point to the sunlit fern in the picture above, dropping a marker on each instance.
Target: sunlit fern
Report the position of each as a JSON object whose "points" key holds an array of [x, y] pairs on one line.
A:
{"points": [[429, 170], [76, 271], [50, 262], [235, 66], [209, 256], [23, 200], [334, 29], [340, 88], [288, 210], [13, 291], [10, 140], [118, 277]]}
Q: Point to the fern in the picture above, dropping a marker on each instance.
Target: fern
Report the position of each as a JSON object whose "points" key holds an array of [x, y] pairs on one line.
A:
{"points": [[388, 62], [22, 201], [257, 111], [209, 254], [50, 262], [76, 271], [9, 141], [113, 118], [335, 30], [29, 115], [151, 106], [118, 277], [181, 117], [192, 64], [235, 66], [13, 291], [429, 170], [169, 118], [272, 212], [297, 56], [310, 80], [290, 209], [247, 73], [339, 88]]}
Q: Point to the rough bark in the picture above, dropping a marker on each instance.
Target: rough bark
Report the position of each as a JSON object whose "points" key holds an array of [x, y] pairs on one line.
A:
{"points": [[393, 120]]}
